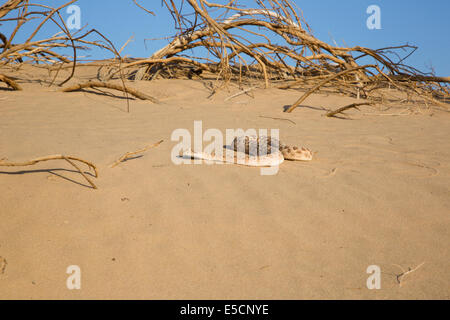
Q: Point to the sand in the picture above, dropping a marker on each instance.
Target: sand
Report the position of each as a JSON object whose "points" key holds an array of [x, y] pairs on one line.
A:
{"points": [[378, 193]]}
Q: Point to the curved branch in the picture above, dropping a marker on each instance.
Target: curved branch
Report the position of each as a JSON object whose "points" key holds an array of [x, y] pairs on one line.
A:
{"points": [[98, 84], [71, 160], [10, 82]]}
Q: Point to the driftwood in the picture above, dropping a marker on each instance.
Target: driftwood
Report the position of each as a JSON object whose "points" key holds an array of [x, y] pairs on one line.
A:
{"points": [[10, 82], [69, 159], [127, 155], [98, 84]]}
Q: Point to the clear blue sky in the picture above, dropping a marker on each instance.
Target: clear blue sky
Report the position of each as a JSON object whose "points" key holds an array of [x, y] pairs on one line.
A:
{"points": [[422, 23]]}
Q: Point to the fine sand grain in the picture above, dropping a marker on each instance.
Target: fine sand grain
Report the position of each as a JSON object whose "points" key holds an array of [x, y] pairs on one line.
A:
{"points": [[378, 193]]}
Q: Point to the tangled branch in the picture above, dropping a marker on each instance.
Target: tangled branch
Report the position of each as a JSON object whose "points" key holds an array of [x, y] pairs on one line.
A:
{"points": [[272, 42]]}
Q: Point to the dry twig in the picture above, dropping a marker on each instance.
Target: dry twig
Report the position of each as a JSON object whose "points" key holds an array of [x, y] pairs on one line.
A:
{"points": [[350, 106], [240, 93], [69, 159], [11, 83], [239, 46], [127, 155], [400, 276], [3, 264], [322, 83], [227, 32], [98, 84], [282, 119]]}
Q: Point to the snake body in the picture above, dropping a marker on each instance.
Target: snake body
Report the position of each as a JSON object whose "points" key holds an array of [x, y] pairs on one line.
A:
{"points": [[253, 151]]}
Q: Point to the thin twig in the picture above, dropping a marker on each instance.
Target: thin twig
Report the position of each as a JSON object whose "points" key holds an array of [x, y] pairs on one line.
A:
{"points": [[69, 159], [11, 83], [337, 75], [3, 264], [390, 114], [278, 119], [350, 106], [127, 155], [240, 93], [400, 276], [98, 84]]}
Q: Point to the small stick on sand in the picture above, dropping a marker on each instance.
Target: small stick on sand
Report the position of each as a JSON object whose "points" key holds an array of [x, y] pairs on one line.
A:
{"points": [[69, 159], [98, 84], [127, 155], [240, 93], [278, 119], [350, 106], [408, 113], [3, 264], [10, 82], [404, 273]]}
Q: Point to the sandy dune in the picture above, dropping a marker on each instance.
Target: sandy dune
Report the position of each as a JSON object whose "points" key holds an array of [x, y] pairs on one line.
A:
{"points": [[378, 193]]}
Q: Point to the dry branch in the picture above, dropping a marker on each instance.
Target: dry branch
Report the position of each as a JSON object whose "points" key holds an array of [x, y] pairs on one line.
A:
{"points": [[3, 264], [421, 78], [69, 159], [400, 276], [19, 13], [11, 83], [350, 106], [9, 6], [98, 84], [228, 33], [127, 155], [240, 93], [282, 119], [240, 46], [310, 92]]}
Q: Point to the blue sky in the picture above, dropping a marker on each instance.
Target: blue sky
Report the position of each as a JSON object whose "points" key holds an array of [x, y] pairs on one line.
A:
{"points": [[422, 23]]}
